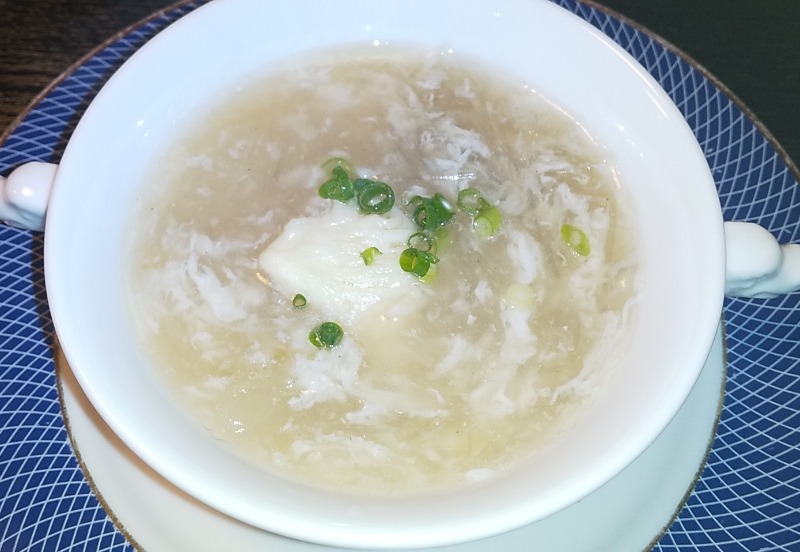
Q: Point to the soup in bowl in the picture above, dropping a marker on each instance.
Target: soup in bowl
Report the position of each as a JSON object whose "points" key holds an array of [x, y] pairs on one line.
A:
{"points": [[394, 275]]}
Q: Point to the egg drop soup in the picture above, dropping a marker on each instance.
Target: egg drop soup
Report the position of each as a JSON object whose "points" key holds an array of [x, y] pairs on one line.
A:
{"points": [[439, 379]]}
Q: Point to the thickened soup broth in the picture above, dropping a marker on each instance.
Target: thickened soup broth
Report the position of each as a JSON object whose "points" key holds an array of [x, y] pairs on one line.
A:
{"points": [[384, 271]]}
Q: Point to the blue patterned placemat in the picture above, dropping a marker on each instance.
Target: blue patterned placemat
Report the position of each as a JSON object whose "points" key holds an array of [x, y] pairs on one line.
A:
{"points": [[748, 496]]}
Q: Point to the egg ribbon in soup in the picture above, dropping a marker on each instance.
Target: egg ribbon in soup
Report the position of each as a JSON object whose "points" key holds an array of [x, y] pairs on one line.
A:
{"points": [[364, 351]]}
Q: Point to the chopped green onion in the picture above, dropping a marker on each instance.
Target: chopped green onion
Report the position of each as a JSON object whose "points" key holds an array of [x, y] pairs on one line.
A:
{"points": [[442, 238], [417, 262], [488, 221], [299, 301], [420, 241], [327, 334], [374, 197], [520, 296], [360, 183], [470, 201], [339, 187], [576, 239], [369, 255], [431, 212], [335, 162]]}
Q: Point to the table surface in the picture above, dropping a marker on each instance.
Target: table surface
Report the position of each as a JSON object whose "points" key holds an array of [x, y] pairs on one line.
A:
{"points": [[751, 47]]}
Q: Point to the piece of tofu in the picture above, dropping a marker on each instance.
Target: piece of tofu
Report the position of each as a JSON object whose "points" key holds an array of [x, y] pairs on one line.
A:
{"points": [[320, 258]]}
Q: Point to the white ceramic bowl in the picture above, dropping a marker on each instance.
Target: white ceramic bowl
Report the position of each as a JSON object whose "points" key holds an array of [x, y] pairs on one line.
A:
{"points": [[171, 79]]}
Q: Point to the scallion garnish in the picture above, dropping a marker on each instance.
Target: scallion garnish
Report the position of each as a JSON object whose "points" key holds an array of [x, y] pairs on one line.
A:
{"points": [[470, 201], [417, 262], [576, 239], [327, 334], [369, 255], [339, 187], [520, 296], [334, 162], [431, 212], [374, 197], [360, 183], [299, 301], [421, 241], [487, 221]]}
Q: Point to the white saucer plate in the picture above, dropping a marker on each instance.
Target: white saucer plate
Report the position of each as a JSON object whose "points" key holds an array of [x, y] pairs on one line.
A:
{"points": [[628, 514]]}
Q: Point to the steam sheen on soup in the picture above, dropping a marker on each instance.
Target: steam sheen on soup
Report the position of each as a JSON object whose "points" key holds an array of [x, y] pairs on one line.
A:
{"points": [[439, 379]]}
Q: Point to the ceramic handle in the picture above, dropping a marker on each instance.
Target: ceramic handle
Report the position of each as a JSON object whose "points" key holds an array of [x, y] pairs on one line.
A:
{"points": [[24, 195], [756, 264]]}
